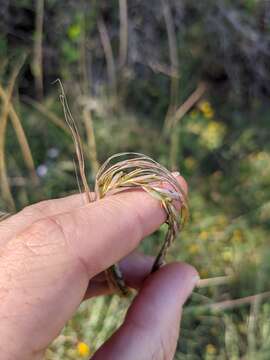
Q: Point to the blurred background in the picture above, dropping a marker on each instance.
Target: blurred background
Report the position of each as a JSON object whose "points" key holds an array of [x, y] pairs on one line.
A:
{"points": [[185, 82]]}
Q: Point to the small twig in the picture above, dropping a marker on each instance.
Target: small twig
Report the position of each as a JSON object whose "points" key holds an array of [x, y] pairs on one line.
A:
{"points": [[179, 113], [83, 59], [160, 68], [56, 120], [26, 151], [215, 281], [91, 141], [188, 104], [37, 60], [230, 304], [106, 44], [173, 58], [4, 184], [123, 15]]}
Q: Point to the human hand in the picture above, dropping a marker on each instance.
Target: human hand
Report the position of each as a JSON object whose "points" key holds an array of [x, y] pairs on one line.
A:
{"points": [[52, 257]]}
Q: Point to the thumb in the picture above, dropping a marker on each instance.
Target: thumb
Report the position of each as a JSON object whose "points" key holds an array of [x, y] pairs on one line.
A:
{"points": [[151, 327]]}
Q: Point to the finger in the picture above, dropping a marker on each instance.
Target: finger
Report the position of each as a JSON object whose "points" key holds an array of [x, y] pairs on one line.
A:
{"points": [[117, 224], [32, 213], [150, 330], [135, 268], [55, 258]]}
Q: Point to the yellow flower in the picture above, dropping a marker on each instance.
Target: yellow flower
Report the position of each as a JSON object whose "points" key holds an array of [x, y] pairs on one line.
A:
{"points": [[212, 136], [210, 349], [209, 114], [203, 235], [193, 249], [206, 109], [83, 349]]}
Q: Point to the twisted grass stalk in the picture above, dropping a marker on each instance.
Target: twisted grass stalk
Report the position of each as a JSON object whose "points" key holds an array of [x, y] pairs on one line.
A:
{"points": [[138, 171], [132, 171]]}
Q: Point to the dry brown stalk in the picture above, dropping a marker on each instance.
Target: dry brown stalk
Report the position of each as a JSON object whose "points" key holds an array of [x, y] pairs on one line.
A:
{"points": [[26, 152], [83, 60], [49, 114], [231, 304], [37, 58], [186, 106], [52, 117], [176, 117], [106, 44], [160, 68], [173, 59], [215, 281], [77, 141], [91, 141], [123, 15], [4, 184], [189, 103]]}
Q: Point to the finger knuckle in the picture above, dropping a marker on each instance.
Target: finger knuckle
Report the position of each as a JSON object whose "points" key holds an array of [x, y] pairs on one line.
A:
{"points": [[48, 224], [33, 209], [45, 235]]}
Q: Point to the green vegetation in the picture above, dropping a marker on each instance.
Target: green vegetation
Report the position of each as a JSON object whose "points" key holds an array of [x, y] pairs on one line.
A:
{"points": [[187, 83]]}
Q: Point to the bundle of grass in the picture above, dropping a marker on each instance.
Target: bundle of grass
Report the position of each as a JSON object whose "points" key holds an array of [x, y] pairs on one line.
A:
{"points": [[137, 171], [127, 171]]}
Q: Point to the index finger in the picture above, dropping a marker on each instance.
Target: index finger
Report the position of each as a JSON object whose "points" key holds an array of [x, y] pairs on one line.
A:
{"points": [[101, 233]]}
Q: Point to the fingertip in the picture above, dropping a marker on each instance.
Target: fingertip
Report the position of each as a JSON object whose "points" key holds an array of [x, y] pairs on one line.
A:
{"points": [[182, 182], [183, 277], [152, 322], [173, 284]]}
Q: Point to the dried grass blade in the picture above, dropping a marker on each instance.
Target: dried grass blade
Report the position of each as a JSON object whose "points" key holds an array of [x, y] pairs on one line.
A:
{"points": [[76, 139], [22, 139], [4, 184]]}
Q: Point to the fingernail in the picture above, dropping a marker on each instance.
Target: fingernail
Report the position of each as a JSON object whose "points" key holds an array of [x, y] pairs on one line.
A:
{"points": [[176, 173], [196, 280], [189, 287], [189, 281]]}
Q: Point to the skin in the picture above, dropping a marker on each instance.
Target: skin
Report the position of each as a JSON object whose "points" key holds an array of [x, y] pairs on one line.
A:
{"points": [[52, 257]]}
